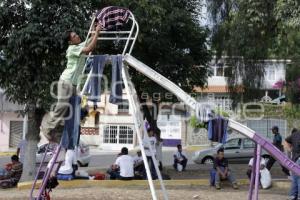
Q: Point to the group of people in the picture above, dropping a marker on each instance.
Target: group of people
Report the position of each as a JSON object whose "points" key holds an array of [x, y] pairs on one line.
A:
{"points": [[127, 167]]}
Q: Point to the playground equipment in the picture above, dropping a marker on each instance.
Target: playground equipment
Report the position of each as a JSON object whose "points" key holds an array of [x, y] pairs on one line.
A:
{"points": [[128, 60]]}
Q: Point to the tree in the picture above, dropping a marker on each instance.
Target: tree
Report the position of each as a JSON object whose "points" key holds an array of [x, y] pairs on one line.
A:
{"points": [[32, 42], [172, 42], [244, 31]]}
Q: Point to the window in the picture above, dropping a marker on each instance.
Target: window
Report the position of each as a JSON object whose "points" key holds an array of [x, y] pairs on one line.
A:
{"points": [[125, 135], [271, 74], [118, 134], [123, 107], [248, 144], [110, 134], [233, 144]]}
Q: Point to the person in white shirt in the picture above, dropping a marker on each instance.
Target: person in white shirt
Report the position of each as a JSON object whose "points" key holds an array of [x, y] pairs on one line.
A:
{"points": [[148, 143], [262, 166], [264, 174], [125, 163], [179, 158]]}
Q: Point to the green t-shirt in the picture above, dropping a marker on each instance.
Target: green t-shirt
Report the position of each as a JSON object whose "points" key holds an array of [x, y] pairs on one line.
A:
{"points": [[75, 64]]}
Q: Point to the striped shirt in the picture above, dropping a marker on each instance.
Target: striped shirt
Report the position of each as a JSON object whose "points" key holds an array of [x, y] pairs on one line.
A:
{"points": [[112, 17]]}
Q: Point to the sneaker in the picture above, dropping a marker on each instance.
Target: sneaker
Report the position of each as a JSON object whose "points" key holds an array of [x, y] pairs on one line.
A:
{"points": [[235, 186], [217, 185], [60, 157]]}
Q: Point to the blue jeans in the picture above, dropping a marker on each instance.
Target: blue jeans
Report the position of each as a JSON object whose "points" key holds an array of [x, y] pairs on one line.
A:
{"points": [[230, 177], [295, 187], [71, 129], [3, 172]]}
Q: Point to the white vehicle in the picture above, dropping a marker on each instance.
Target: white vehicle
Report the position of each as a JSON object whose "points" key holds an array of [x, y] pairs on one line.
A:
{"points": [[83, 154]]}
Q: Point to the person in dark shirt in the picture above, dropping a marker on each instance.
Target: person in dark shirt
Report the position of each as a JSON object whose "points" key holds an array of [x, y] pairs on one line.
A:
{"points": [[277, 141], [293, 145], [222, 170]]}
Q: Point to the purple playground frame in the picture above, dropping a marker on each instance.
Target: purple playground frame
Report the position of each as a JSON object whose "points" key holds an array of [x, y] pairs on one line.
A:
{"points": [[46, 175], [277, 154], [273, 151], [254, 183]]}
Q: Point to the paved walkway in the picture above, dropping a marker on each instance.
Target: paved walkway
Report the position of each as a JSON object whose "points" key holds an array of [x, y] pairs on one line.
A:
{"points": [[143, 193]]}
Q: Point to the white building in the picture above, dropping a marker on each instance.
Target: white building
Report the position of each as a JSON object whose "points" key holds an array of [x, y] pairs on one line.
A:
{"points": [[217, 89]]}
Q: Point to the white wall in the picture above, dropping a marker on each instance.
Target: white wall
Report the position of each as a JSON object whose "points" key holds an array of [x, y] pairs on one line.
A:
{"points": [[5, 118]]}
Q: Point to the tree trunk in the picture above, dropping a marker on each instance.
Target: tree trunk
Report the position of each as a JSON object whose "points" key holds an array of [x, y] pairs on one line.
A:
{"points": [[35, 116], [151, 117]]}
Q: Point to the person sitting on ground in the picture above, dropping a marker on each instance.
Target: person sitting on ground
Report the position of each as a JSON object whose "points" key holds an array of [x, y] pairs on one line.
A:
{"points": [[250, 165], [13, 176], [179, 159], [4, 171], [139, 167], [264, 174], [222, 170], [125, 163], [114, 171]]}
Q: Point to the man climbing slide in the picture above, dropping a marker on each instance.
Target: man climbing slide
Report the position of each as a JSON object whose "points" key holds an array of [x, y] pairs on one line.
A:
{"points": [[52, 124]]}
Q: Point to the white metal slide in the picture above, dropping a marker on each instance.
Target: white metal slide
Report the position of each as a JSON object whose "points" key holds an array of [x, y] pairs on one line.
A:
{"points": [[193, 104]]}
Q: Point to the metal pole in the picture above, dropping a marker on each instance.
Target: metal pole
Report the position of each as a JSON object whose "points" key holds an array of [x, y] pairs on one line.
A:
{"points": [[138, 129], [252, 180], [257, 166], [156, 167]]}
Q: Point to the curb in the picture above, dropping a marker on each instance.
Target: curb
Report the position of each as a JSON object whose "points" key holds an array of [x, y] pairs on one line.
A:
{"points": [[3, 154], [195, 148], [144, 183]]}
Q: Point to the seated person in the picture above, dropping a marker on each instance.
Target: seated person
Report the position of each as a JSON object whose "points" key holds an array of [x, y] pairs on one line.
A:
{"points": [[222, 170], [179, 158], [265, 178], [114, 171], [13, 175], [138, 164], [125, 163], [262, 166], [4, 171]]}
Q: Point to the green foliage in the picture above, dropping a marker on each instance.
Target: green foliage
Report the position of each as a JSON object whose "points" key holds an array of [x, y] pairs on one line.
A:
{"points": [[251, 31], [194, 123], [171, 41], [292, 111], [33, 45], [219, 111]]}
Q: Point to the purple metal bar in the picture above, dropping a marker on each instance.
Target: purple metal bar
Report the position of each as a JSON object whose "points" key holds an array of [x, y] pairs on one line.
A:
{"points": [[37, 173], [277, 154], [257, 170], [252, 181], [48, 172]]}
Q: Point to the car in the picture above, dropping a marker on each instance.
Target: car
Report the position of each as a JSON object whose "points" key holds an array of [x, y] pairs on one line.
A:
{"points": [[83, 154], [238, 149]]}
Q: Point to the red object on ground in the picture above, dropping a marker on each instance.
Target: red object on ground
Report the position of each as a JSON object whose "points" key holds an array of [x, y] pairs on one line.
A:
{"points": [[99, 176]]}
